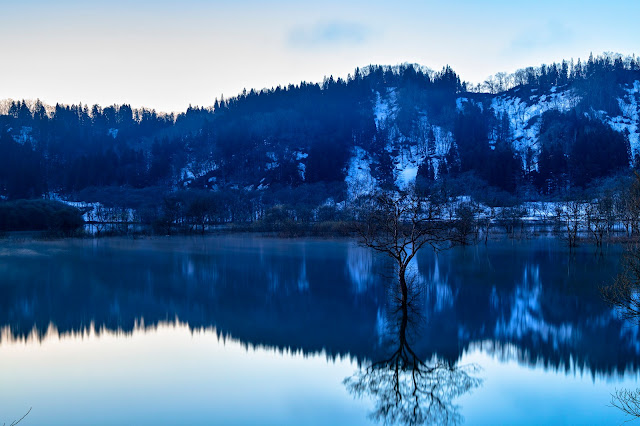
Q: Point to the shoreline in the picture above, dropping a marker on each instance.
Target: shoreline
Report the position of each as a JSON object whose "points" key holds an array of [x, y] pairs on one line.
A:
{"points": [[529, 232]]}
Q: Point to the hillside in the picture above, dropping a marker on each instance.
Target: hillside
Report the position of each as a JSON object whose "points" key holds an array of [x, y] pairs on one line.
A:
{"points": [[541, 131]]}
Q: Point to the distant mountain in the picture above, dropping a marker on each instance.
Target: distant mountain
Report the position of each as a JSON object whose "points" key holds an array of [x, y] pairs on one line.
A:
{"points": [[544, 130]]}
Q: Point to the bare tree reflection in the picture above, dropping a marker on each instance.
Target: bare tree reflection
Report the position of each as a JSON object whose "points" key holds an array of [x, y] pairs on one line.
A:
{"points": [[628, 401], [406, 389], [624, 296], [624, 293]]}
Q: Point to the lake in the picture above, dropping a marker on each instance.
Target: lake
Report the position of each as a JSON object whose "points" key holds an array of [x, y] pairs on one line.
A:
{"points": [[250, 330]]}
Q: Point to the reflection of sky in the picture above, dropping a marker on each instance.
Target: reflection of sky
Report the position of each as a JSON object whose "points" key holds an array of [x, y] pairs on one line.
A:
{"points": [[514, 394], [172, 376], [167, 54]]}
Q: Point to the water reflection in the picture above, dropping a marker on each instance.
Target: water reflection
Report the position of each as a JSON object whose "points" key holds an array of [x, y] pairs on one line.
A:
{"points": [[405, 388], [532, 303], [360, 264], [627, 401]]}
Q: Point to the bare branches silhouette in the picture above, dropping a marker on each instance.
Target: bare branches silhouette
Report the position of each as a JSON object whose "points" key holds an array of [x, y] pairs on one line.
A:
{"points": [[15, 422], [624, 293], [407, 389], [628, 401]]}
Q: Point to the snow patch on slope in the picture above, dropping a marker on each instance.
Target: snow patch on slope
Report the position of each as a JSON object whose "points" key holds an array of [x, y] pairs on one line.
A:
{"points": [[302, 167], [630, 118], [406, 176], [412, 154], [524, 116], [359, 179], [273, 161], [460, 104], [409, 151], [24, 136], [186, 174], [406, 166], [192, 171], [443, 140], [386, 108]]}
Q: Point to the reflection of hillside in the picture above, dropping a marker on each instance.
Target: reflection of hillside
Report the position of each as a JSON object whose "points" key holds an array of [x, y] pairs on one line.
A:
{"points": [[360, 264], [537, 307], [534, 306], [276, 296]]}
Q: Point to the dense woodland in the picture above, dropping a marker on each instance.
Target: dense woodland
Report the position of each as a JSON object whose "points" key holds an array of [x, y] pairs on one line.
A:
{"points": [[291, 146]]}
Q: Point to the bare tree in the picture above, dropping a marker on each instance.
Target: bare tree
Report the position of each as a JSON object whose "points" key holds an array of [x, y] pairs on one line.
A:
{"points": [[569, 217], [520, 77], [405, 388], [511, 218], [486, 221], [503, 81], [596, 220], [627, 401], [629, 205], [399, 224], [101, 218], [491, 85], [466, 223], [624, 293]]}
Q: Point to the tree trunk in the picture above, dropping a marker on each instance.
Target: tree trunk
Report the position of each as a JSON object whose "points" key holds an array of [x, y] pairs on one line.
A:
{"points": [[403, 283]]}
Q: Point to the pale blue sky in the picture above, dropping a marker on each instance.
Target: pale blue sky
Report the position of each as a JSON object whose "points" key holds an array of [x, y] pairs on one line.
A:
{"points": [[168, 54]]}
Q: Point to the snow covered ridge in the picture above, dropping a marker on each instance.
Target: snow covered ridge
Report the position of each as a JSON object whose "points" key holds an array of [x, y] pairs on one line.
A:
{"points": [[432, 140]]}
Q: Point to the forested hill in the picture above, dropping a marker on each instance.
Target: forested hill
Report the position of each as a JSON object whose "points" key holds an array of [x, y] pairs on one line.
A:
{"points": [[540, 131]]}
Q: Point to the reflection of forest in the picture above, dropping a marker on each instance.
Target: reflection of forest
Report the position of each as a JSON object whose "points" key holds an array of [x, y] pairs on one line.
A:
{"points": [[535, 304]]}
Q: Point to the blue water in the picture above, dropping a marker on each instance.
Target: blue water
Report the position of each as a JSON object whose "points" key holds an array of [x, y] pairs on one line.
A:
{"points": [[248, 330]]}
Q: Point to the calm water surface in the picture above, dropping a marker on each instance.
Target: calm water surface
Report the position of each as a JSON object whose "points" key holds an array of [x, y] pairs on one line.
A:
{"points": [[248, 330]]}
